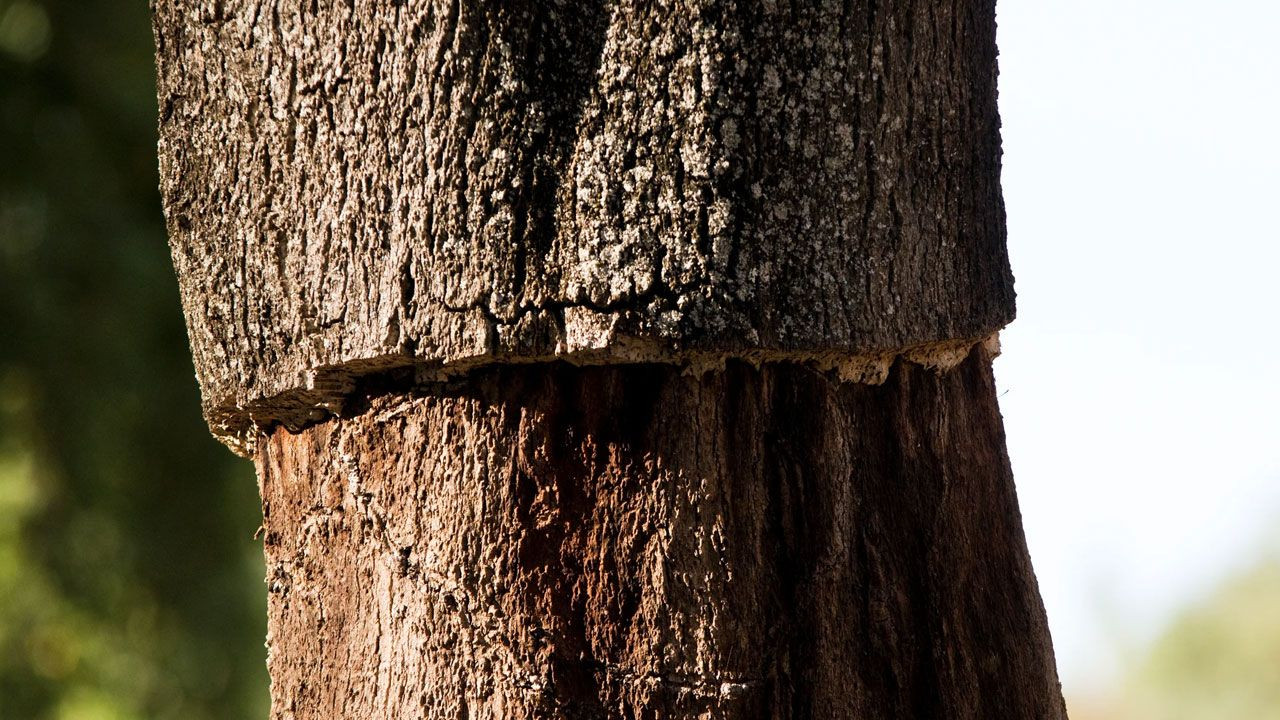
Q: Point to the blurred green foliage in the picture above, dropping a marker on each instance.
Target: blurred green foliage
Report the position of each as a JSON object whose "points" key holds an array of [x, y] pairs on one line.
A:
{"points": [[130, 584], [1218, 659]]}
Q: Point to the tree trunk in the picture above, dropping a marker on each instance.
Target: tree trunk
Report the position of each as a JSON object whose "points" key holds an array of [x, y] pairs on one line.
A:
{"points": [[610, 359], [560, 542]]}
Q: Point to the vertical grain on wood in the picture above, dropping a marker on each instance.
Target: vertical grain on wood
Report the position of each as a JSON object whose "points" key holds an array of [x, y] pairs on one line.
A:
{"points": [[630, 542]]}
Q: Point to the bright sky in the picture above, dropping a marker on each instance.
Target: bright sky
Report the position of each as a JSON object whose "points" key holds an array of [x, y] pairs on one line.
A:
{"points": [[1141, 380]]}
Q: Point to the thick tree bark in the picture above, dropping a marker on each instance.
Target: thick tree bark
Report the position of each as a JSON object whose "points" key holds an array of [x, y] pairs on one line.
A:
{"points": [[610, 359], [355, 186]]}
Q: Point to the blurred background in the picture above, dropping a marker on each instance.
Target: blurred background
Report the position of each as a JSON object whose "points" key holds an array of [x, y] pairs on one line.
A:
{"points": [[1139, 384], [130, 584], [1141, 381]]}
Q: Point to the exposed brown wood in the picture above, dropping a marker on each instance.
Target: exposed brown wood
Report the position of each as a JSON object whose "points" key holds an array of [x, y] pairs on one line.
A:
{"points": [[633, 542]]}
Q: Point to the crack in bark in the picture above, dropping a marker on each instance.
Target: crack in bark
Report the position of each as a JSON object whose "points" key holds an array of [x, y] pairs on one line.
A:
{"points": [[344, 390]]}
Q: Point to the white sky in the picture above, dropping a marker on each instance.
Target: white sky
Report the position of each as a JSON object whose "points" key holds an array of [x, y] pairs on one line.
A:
{"points": [[1141, 380]]}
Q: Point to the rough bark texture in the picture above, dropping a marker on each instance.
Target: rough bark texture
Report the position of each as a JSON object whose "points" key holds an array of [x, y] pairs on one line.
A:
{"points": [[634, 542], [358, 186]]}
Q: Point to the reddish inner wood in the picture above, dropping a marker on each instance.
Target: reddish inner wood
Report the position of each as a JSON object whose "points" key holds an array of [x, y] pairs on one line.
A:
{"points": [[628, 541]]}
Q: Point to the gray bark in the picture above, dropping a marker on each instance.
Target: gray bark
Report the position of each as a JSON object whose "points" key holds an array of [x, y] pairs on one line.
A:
{"points": [[360, 186]]}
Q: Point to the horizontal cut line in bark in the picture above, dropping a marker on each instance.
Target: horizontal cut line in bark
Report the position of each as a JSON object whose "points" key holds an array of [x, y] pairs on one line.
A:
{"points": [[345, 390]]}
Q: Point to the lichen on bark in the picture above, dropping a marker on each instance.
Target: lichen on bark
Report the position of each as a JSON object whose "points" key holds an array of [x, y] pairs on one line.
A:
{"points": [[369, 185]]}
